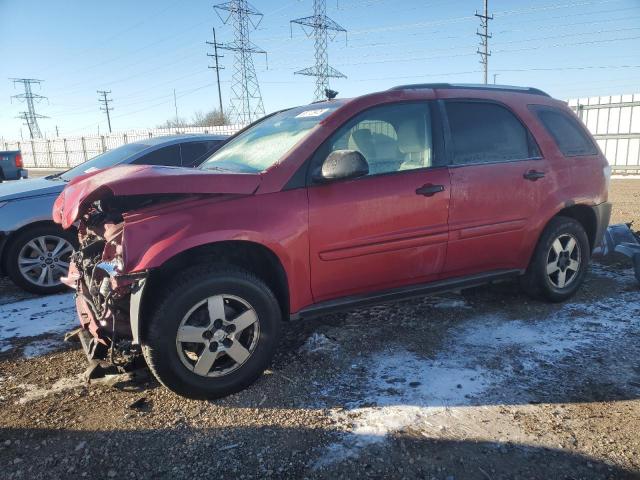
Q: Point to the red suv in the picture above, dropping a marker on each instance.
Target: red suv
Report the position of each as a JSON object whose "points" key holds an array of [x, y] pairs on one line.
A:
{"points": [[326, 207]]}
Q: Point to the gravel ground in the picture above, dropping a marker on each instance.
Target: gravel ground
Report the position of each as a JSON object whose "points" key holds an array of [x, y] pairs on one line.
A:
{"points": [[486, 384], [625, 196]]}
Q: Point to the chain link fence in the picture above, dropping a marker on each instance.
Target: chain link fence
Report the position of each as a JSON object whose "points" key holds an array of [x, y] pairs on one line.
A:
{"points": [[71, 151]]}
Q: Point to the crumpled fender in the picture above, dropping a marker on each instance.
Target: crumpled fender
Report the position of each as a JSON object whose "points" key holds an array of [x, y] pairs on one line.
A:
{"points": [[146, 180]]}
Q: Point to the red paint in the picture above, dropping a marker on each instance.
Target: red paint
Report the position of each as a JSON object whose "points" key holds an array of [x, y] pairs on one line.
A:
{"points": [[360, 235]]}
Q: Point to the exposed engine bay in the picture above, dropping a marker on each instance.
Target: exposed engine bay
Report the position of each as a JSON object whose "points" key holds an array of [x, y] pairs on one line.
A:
{"points": [[103, 289]]}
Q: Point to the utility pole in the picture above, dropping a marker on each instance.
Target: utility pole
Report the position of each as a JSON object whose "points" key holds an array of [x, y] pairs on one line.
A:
{"points": [[321, 28], [105, 105], [484, 35], [30, 117], [217, 66], [246, 99], [495, 75]]}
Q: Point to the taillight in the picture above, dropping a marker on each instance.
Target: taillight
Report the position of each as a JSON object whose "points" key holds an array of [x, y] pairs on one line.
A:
{"points": [[19, 163]]}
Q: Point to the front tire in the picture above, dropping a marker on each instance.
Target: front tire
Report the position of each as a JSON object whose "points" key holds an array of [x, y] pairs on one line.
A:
{"points": [[214, 333], [38, 256], [560, 261]]}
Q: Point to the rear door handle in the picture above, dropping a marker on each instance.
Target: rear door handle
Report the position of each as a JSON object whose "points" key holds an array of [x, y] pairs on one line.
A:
{"points": [[533, 175], [429, 190]]}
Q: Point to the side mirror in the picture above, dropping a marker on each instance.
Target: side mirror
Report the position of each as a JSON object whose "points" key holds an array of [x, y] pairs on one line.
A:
{"points": [[342, 164]]}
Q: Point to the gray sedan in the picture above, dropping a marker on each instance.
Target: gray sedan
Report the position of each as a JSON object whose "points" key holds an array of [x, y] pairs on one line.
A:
{"points": [[34, 251]]}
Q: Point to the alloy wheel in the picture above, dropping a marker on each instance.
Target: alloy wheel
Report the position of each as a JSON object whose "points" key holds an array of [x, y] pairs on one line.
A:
{"points": [[44, 260], [563, 261], [217, 335]]}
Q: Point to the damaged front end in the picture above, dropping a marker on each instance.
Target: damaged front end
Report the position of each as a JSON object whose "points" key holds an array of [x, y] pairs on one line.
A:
{"points": [[104, 293], [121, 215]]}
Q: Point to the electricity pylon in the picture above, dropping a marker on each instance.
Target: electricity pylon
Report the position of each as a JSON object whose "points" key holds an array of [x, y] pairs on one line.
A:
{"points": [[30, 117], [246, 99], [322, 28]]}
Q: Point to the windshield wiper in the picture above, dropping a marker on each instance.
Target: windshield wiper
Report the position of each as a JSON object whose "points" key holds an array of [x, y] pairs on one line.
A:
{"points": [[217, 169], [55, 176]]}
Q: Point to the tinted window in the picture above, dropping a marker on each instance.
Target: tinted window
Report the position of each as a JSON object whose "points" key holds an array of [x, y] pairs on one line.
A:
{"points": [[570, 137], [193, 152], [163, 156], [486, 132], [105, 160], [391, 138]]}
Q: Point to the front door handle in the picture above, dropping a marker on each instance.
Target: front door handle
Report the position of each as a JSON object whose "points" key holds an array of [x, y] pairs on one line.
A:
{"points": [[429, 190], [533, 175]]}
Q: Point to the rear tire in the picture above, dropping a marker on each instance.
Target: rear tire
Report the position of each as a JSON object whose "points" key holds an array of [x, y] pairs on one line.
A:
{"points": [[560, 261], [198, 356]]}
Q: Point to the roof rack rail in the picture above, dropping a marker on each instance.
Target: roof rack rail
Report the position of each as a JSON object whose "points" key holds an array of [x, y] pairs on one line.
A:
{"points": [[473, 86]]}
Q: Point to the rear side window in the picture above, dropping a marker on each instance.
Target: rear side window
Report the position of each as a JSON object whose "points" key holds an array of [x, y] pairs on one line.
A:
{"points": [[484, 132], [569, 136], [169, 156]]}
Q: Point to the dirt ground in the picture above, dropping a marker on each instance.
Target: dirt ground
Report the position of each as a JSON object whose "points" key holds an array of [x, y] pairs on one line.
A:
{"points": [[486, 384]]}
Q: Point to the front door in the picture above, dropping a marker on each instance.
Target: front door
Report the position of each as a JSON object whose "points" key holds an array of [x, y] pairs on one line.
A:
{"points": [[386, 229], [497, 186]]}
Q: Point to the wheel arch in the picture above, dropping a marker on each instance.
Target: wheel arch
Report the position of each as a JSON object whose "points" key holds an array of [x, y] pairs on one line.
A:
{"points": [[250, 255], [585, 215]]}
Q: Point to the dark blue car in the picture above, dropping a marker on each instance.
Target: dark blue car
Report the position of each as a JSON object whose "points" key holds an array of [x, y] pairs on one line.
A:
{"points": [[34, 251]]}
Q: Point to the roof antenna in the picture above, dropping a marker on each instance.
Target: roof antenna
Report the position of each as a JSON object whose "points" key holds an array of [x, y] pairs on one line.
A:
{"points": [[330, 94]]}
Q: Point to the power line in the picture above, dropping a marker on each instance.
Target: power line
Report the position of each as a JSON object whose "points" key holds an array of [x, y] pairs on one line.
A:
{"points": [[105, 105], [216, 66], [321, 28], [246, 99], [30, 117]]}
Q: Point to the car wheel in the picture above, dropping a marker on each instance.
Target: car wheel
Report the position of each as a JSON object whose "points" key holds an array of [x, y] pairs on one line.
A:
{"points": [[38, 257], [214, 333], [560, 261]]}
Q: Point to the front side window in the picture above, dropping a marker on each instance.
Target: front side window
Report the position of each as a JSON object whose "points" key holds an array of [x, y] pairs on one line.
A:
{"points": [[570, 138], [487, 133], [265, 143], [391, 138]]}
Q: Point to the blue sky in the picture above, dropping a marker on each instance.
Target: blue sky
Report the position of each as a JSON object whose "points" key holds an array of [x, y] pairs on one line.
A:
{"points": [[141, 50]]}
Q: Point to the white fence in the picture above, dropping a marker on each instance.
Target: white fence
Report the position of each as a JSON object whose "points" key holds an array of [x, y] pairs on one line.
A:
{"points": [[614, 121], [71, 151]]}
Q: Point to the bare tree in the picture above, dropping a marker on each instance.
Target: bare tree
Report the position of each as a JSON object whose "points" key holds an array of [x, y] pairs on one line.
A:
{"points": [[210, 119], [199, 119]]}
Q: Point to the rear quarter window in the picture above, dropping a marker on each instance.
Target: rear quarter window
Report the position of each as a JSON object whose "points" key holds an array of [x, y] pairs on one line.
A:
{"points": [[570, 137], [484, 132]]}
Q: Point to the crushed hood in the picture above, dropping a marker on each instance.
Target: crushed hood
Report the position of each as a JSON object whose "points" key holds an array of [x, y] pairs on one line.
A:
{"points": [[128, 180]]}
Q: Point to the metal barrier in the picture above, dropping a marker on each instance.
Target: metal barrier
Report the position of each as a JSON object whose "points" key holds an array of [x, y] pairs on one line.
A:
{"points": [[614, 122]]}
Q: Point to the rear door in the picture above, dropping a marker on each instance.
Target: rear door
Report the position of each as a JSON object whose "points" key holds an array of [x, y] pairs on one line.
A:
{"points": [[389, 228], [497, 185]]}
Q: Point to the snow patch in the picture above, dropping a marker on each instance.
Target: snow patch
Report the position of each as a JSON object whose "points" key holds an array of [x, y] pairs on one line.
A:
{"points": [[33, 392], [30, 318], [318, 343], [489, 360], [41, 347]]}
